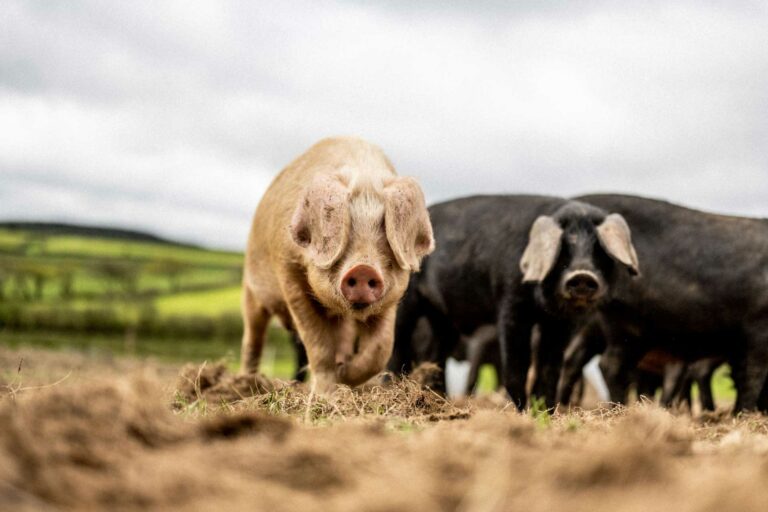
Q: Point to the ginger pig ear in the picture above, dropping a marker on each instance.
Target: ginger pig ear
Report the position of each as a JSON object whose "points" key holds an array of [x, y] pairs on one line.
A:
{"points": [[406, 222], [321, 220]]}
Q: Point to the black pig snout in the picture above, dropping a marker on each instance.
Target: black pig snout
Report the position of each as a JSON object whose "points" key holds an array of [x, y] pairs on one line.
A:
{"points": [[582, 285]]}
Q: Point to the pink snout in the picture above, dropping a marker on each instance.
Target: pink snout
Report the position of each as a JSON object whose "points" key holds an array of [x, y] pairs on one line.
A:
{"points": [[362, 286]]}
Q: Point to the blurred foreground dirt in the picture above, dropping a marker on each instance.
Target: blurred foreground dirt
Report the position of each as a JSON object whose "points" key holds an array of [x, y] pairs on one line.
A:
{"points": [[120, 436]]}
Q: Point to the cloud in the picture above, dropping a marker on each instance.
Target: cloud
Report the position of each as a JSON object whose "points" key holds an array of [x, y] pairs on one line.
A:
{"points": [[180, 111]]}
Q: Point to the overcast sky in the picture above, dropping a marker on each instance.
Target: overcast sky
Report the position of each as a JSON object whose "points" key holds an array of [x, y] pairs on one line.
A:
{"points": [[173, 117]]}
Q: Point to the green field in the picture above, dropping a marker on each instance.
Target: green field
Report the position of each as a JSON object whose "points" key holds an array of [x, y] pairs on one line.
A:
{"points": [[76, 272], [211, 302], [148, 299]]}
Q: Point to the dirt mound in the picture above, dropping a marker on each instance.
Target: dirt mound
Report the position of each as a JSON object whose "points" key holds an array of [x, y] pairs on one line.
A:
{"points": [[245, 423], [25, 370], [71, 447], [215, 387], [213, 383], [120, 444]]}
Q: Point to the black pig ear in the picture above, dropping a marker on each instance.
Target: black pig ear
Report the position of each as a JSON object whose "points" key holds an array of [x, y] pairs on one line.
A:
{"points": [[543, 247], [616, 239]]}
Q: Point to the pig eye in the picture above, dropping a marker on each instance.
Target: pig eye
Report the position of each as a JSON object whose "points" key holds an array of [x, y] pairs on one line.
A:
{"points": [[303, 237]]}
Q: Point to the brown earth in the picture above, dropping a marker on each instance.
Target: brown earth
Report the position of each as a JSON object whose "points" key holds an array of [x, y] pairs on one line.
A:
{"points": [[121, 436]]}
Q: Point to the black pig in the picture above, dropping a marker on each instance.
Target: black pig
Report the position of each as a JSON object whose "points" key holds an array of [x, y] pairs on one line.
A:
{"points": [[515, 261], [704, 293]]}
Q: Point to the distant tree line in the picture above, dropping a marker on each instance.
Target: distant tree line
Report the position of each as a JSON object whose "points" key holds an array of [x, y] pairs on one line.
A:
{"points": [[27, 280], [108, 320], [47, 228]]}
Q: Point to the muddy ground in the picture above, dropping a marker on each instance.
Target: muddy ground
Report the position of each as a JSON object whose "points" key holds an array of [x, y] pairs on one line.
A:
{"points": [[121, 434]]}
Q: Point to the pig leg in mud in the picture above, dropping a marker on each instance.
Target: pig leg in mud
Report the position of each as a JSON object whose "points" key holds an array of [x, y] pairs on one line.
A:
{"points": [[364, 349], [319, 335], [549, 360], [346, 343], [301, 358], [480, 348], [255, 320]]}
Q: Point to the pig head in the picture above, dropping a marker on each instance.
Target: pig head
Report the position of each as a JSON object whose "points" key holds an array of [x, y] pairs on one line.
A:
{"points": [[360, 240], [576, 254]]}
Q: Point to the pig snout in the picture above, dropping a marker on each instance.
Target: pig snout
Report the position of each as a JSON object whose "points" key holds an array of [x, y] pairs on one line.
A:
{"points": [[362, 285], [582, 285]]}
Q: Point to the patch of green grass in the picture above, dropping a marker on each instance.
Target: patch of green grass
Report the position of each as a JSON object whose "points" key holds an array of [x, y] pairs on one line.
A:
{"points": [[191, 277], [487, 380], [404, 426], [11, 240], [128, 249], [539, 412], [573, 424], [722, 384], [207, 302]]}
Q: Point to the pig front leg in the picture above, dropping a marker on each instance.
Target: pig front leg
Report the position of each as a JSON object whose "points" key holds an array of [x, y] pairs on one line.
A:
{"points": [[346, 342], [549, 361], [365, 354], [319, 334], [751, 371], [617, 363], [580, 351], [255, 321], [339, 350], [514, 329]]}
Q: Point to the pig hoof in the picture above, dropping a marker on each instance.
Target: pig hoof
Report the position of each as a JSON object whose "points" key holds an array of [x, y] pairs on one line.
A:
{"points": [[341, 370]]}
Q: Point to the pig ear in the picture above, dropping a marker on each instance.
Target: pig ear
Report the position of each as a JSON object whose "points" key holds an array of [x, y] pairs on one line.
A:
{"points": [[543, 247], [406, 222], [320, 222], [616, 239]]}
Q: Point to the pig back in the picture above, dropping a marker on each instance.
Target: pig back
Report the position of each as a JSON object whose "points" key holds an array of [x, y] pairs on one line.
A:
{"points": [[479, 241], [701, 271]]}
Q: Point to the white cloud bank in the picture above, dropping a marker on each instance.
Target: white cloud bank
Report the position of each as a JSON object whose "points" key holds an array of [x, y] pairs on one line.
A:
{"points": [[174, 116]]}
